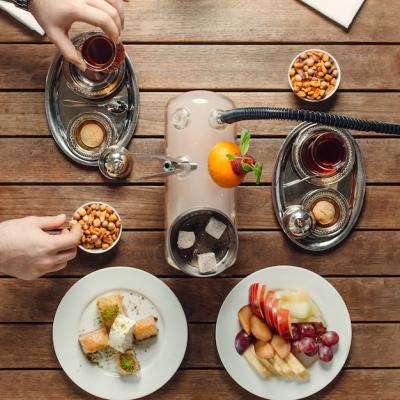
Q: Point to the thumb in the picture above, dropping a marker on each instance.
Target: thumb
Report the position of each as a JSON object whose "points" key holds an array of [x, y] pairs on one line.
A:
{"points": [[67, 48], [49, 223]]}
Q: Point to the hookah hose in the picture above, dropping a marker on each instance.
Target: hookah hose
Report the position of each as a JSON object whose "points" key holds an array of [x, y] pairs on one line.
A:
{"points": [[338, 121]]}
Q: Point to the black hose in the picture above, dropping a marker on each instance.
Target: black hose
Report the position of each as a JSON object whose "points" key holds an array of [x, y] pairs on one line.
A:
{"points": [[242, 114]]}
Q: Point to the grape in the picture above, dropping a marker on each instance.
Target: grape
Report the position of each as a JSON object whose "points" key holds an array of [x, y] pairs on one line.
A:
{"points": [[295, 347], [308, 345], [243, 341], [319, 328], [330, 338], [296, 332], [325, 353], [307, 330]]}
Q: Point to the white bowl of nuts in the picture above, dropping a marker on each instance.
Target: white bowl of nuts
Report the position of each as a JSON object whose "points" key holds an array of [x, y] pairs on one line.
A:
{"points": [[101, 227], [314, 75]]}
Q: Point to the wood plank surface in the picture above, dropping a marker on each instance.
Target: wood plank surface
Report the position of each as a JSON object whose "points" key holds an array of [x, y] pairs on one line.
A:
{"points": [[238, 21], [368, 299], [22, 113], [189, 384], [48, 164], [236, 67], [201, 352], [145, 250], [142, 207]]}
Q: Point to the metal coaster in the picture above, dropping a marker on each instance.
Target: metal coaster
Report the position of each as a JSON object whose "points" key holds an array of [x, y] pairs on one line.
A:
{"points": [[289, 188], [341, 207], [322, 180], [60, 115], [78, 146]]}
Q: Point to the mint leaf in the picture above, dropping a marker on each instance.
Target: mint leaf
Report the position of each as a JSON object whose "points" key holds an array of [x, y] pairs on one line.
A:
{"points": [[230, 156], [258, 169], [244, 142], [246, 167]]}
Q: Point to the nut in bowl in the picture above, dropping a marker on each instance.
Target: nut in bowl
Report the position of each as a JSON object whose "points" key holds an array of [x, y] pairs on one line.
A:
{"points": [[101, 227], [314, 75]]}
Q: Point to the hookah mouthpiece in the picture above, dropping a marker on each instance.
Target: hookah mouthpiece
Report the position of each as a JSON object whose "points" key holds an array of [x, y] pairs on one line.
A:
{"points": [[338, 121]]}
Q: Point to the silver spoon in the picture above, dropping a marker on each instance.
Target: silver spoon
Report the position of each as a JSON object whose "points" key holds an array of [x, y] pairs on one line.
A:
{"points": [[116, 107]]}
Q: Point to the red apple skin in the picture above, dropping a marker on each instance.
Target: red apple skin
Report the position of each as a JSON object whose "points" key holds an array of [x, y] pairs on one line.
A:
{"points": [[261, 300], [253, 293], [269, 316], [275, 309], [284, 323]]}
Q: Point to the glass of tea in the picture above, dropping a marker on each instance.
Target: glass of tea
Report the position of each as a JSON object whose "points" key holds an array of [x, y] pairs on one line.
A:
{"points": [[324, 153], [100, 53]]}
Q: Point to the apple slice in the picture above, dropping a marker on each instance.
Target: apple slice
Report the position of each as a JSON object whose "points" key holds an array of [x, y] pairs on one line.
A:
{"points": [[259, 329], [264, 350], [275, 308], [284, 323], [268, 306], [261, 300], [244, 315], [281, 346], [253, 291]]}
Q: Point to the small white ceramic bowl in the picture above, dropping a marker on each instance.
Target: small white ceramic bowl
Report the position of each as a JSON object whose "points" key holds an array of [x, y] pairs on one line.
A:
{"points": [[101, 251], [338, 79]]}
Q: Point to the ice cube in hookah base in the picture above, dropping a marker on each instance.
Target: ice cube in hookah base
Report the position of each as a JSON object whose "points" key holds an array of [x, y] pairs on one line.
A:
{"points": [[215, 228], [186, 240], [207, 263]]}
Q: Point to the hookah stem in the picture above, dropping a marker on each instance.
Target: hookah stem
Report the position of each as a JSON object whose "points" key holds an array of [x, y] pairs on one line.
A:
{"points": [[338, 121]]}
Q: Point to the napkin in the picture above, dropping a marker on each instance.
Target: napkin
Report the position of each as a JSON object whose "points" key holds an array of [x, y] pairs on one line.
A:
{"points": [[340, 11], [22, 16]]}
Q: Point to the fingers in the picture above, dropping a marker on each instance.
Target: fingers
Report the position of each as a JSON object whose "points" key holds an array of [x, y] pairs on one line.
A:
{"points": [[65, 256], [120, 8], [109, 9], [49, 223], [67, 239], [101, 19], [67, 48]]}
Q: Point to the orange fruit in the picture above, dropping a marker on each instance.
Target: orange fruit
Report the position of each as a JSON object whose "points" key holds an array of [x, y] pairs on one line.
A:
{"points": [[220, 167]]}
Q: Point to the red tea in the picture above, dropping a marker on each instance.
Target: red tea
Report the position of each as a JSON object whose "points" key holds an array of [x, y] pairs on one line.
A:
{"points": [[324, 153], [101, 54]]}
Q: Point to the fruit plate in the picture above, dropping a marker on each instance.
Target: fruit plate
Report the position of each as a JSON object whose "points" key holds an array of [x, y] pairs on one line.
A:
{"points": [[77, 312], [333, 309]]}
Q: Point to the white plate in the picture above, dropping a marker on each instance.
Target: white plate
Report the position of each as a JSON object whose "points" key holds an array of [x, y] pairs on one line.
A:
{"points": [[335, 314], [159, 361]]}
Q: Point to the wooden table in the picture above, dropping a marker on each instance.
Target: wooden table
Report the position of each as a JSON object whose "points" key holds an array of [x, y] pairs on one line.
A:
{"points": [[243, 48]]}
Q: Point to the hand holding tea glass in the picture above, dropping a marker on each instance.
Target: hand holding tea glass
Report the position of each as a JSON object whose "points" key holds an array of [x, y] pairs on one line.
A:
{"points": [[28, 250], [57, 17]]}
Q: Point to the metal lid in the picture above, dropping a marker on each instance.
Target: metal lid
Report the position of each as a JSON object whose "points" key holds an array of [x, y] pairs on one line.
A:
{"points": [[298, 221], [196, 220]]}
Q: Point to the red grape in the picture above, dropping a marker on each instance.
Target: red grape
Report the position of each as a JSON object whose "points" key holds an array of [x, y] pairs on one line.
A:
{"points": [[325, 353], [295, 332], [308, 345], [330, 338], [319, 328], [243, 341], [295, 347], [307, 330]]}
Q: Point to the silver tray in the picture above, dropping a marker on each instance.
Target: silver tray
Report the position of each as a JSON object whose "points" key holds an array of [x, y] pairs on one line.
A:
{"points": [[351, 187], [59, 115]]}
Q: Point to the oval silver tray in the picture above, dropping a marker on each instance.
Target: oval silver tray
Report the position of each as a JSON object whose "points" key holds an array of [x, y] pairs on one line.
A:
{"points": [[351, 187], [60, 115]]}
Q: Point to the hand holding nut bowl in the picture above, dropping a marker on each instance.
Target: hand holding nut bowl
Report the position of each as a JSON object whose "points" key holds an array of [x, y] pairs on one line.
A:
{"points": [[101, 227]]}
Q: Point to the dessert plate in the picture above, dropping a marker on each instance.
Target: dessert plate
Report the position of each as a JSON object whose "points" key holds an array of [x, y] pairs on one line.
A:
{"points": [[142, 291], [334, 311]]}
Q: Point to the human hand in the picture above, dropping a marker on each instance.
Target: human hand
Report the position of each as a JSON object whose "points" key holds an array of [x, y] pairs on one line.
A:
{"points": [[28, 251], [57, 16]]}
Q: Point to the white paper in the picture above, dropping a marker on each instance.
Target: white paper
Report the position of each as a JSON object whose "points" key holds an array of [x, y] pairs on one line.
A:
{"points": [[22, 16], [340, 11]]}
